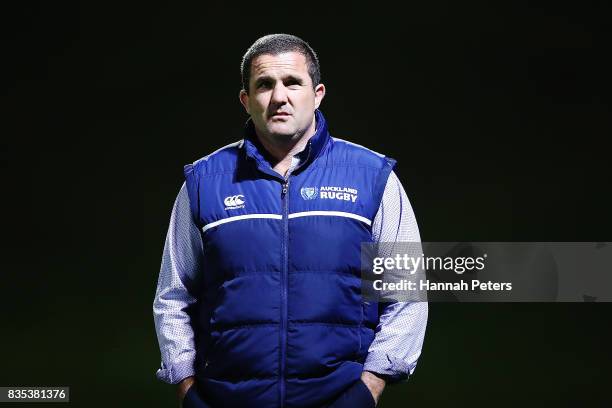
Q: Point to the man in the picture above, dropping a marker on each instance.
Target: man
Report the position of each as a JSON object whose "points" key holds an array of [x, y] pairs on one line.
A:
{"points": [[258, 301]]}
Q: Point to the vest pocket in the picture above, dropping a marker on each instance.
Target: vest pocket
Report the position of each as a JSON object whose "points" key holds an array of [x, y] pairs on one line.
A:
{"points": [[366, 333], [360, 333], [244, 352]]}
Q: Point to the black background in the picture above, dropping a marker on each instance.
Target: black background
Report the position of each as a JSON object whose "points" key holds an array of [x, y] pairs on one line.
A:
{"points": [[498, 115]]}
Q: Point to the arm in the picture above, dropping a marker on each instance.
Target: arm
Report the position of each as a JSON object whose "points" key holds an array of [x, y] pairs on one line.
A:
{"points": [[397, 345], [180, 267]]}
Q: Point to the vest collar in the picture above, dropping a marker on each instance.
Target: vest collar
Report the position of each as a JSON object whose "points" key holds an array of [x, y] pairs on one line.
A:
{"points": [[316, 144]]}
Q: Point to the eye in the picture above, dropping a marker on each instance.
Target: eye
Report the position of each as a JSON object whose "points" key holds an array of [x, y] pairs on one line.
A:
{"points": [[293, 84], [264, 85]]}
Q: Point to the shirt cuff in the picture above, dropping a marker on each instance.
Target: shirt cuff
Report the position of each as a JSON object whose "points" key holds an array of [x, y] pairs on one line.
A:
{"points": [[390, 368], [176, 372]]}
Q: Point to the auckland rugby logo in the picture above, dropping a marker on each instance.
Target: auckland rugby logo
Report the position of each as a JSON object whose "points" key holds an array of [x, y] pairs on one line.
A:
{"points": [[234, 202], [330, 193], [309, 193]]}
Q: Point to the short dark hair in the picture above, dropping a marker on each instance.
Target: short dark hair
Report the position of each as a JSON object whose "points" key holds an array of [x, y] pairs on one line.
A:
{"points": [[274, 44]]}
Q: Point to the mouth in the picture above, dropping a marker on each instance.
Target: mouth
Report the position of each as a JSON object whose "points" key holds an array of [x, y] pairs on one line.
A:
{"points": [[279, 115]]}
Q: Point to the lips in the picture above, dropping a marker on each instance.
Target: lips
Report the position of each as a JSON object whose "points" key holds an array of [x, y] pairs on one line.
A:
{"points": [[280, 114]]}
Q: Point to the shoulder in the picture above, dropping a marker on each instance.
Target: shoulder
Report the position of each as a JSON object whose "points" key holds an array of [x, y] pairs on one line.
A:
{"points": [[220, 161], [353, 153]]}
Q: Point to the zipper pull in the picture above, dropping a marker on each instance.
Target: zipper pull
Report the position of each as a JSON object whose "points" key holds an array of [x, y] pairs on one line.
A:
{"points": [[285, 187]]}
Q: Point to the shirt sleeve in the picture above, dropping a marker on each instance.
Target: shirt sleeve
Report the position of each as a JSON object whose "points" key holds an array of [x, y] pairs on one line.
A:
{"points": [[401, 329], [181, 264]]}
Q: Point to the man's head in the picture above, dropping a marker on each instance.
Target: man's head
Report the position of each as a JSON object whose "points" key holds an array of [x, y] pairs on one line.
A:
{"points": [[281, 89]]}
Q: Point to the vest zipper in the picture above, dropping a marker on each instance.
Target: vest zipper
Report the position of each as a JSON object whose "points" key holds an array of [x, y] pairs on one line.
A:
{"points": [[285, 273], [284, 278]]}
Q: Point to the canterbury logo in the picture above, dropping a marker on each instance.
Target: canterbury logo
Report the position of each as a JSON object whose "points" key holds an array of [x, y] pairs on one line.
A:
{"points": [[234, 202]]}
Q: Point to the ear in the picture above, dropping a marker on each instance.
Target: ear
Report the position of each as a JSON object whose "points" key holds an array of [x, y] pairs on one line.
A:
{"points": [[244, 100], [319, 92]]}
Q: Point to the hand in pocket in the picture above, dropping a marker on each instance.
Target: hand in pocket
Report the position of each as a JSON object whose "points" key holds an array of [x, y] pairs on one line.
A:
{"points": [[193, 399], [356, 396]]}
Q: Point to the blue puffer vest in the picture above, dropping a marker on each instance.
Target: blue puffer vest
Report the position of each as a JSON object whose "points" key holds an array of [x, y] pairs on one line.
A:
{"points": [[280, 320]]}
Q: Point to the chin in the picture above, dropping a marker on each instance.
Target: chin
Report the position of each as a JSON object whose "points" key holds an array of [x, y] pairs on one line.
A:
{"points": [[281, 132]]}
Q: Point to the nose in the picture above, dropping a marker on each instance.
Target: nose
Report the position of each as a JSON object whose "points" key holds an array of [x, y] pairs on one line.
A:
{"points": [[279, 94]]}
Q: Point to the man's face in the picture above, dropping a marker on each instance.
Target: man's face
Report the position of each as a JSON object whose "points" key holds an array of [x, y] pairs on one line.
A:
{"points": [[281, 98]]}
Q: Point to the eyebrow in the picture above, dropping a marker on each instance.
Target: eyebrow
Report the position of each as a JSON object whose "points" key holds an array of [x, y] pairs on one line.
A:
{"points": [[262, 79], [267, 78]]}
